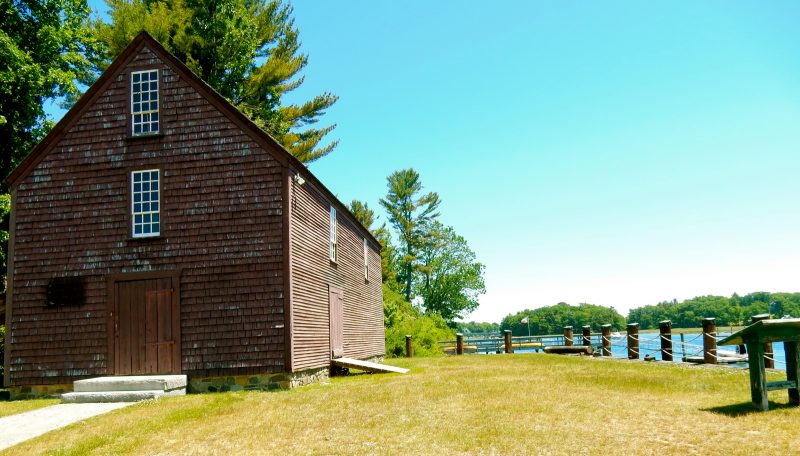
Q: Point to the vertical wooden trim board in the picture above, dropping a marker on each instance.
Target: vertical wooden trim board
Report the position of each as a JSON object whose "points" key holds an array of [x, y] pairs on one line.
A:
{"points": [[9, 288], [111, 326], [288, 335]]}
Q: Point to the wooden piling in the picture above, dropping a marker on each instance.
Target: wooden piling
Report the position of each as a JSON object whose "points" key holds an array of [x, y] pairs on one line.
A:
{"points": [[633, 340], [568, 336], [509, 347], [409, 347], [587, 335], [769, 355], [683, 349], [605, 330], [459, 344], [665, 331], [710, 341]]}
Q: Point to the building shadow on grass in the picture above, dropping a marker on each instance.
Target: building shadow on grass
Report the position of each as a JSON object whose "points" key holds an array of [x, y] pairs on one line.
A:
{"points": [[744, 409]]}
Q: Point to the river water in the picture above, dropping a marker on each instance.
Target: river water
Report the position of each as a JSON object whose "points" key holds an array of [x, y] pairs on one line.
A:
{"points": [[650, 344]]}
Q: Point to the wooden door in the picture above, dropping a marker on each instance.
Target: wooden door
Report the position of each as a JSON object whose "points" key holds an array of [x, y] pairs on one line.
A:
{"points": [[336, 327], [147, 327]]}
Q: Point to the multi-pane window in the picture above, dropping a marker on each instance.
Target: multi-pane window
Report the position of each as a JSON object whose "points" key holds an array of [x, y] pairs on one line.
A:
{"points": [[145, 191], [333, 235], [366, 260], [144, 102]]}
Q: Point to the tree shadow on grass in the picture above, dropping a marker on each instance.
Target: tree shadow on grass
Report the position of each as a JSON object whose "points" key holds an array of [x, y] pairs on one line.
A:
{"points": [[744, 409]]}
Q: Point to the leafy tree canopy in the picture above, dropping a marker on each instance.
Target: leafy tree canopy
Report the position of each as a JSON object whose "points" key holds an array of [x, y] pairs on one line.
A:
{"points": [[452, 276], [247, 50]]}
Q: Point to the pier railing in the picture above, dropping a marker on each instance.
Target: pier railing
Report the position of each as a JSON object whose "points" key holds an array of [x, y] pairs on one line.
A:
{"points": [[662, 346]]}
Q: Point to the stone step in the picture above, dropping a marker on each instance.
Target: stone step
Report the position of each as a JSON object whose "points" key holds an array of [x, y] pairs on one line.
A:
{"points": [[117, 396], [131, 383]]}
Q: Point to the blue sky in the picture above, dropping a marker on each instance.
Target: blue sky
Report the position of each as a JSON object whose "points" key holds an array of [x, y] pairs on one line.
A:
{"points": [[616, 153]]}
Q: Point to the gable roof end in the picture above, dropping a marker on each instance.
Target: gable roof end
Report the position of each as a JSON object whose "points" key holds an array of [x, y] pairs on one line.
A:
{"points": [[268, 143]]}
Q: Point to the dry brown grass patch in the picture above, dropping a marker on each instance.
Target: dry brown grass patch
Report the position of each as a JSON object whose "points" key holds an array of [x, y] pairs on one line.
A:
{"points": [[518, 404]]}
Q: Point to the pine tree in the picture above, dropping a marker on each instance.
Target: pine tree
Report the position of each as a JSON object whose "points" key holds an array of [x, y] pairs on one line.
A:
{"points": [[412, 216]]}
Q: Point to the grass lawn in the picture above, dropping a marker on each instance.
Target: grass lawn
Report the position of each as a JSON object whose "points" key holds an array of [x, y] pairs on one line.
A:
{"points": [[10, 408], [503, 404]]}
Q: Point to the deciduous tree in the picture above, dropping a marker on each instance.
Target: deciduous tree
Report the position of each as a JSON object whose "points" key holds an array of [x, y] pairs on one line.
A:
{"points": [[453, 278]]}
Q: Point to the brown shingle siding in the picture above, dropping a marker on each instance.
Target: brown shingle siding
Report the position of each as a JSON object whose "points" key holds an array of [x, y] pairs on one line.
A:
{"points": [[222, 225]]}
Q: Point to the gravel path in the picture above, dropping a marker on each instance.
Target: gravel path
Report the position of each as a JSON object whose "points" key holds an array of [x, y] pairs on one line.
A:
{"points": [[23, 426]]}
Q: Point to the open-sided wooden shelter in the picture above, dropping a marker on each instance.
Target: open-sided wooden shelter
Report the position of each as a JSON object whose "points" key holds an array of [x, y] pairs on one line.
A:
{"points": [[157, 230]]}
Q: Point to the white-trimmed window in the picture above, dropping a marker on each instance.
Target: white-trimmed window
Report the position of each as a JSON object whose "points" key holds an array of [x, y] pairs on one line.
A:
{"points": [[366, 260], [144, 102], [145, 203], [333, 235]]}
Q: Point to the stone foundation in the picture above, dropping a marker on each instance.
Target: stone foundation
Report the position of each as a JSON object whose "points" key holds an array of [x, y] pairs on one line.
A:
{"points": [[263, 382], [19, 393]]}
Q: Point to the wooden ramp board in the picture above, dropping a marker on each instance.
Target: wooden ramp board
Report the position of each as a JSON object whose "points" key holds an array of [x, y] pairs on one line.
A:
{"points": [[720, 359], [367, 366], [569, 349]]}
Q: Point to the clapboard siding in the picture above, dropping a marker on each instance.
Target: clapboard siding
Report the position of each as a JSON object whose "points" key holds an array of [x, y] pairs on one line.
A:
{"points": [[313, 273], [363, 301], [222, 229]]}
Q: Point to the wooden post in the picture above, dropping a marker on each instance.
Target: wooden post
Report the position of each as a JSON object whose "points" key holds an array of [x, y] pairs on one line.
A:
{"points": [[769, 361], [568, 336], [605, 330], [509, 348], [758, 378], [587, 335], [665, 330], [409, 347], [710, 341], [633, 340], [683, 349], [793, 370], [459, 344]]}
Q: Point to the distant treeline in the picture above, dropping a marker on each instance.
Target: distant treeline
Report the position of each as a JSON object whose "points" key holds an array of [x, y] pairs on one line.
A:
{"points": [[474, 327], [732, 311], [552, 319]]}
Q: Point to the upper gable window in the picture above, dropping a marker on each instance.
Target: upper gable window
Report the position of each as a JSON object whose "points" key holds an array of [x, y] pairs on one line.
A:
{"points": [[145, 190], [144, 102], [332, 250]]}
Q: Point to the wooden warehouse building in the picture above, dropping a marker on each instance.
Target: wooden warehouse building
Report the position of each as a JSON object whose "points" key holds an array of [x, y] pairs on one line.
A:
{"points": [[158, 230]]}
